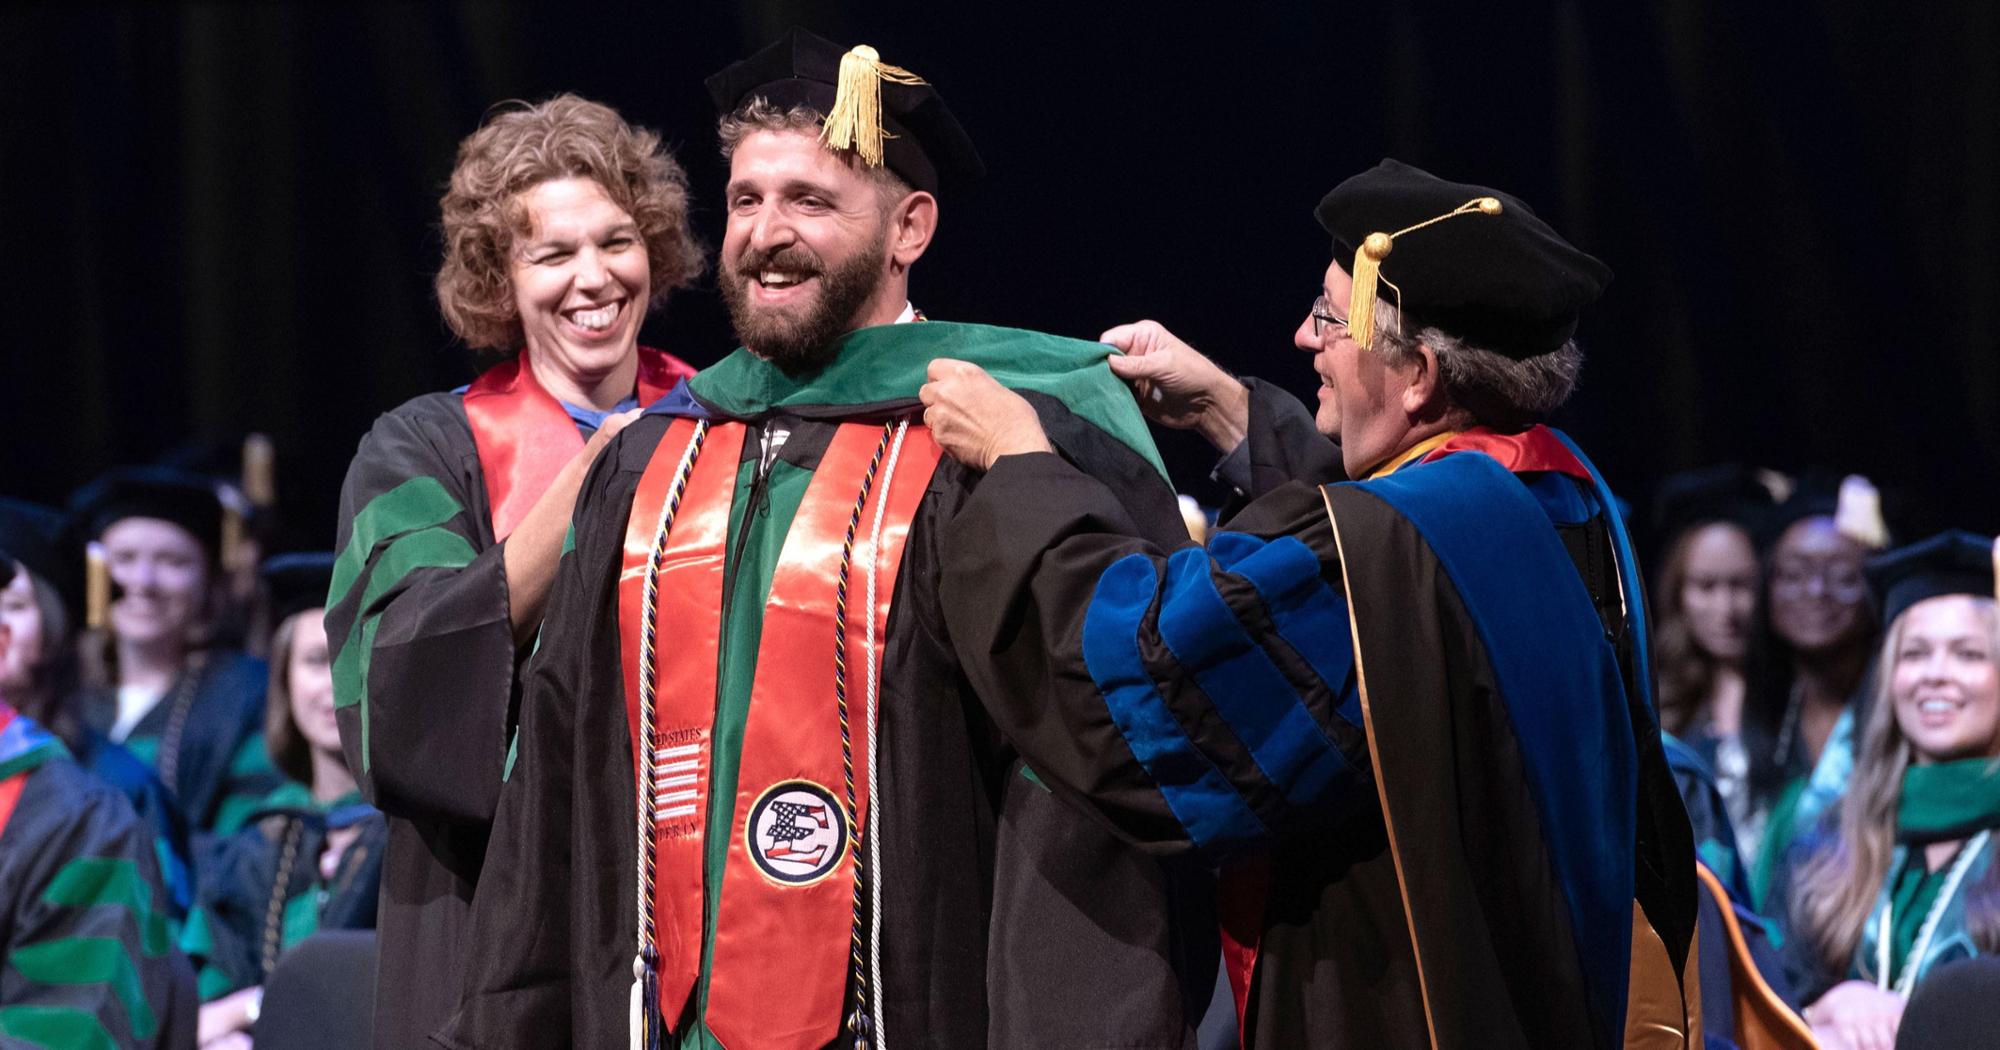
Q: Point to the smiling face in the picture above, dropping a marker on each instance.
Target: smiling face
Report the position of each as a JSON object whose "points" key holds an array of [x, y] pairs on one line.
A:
{"points": [[1719, 589], [1944, 684], [581, 283], [1361, 399], [310, 682], [806, 255], [163, 574]]}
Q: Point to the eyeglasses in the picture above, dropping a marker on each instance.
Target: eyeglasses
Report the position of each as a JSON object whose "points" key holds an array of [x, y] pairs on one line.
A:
{"points": [[1842, 583], [1322, 315]]}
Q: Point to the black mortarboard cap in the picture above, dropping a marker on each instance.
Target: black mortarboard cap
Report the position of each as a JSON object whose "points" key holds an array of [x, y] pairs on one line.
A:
{"points": [[186, 499], [1472, 261], [1728, 492], [1852, 502], [1955, 562], [294, 583], [924, 143], [37, 537]]}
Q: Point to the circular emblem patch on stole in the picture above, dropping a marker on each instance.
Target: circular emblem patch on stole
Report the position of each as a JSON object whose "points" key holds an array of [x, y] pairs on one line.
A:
{"points": [[796, 832]]}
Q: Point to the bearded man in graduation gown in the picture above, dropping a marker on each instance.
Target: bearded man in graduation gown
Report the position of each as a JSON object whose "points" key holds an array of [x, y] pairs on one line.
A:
{"points": [[822, 836], [1407, 714]]}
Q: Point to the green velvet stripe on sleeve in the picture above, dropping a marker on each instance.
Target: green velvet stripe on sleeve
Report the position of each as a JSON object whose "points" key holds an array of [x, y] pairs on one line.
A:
{"points": [[87, 961], [55, 1027], [419, 503], [88, 882], [432, 548]]}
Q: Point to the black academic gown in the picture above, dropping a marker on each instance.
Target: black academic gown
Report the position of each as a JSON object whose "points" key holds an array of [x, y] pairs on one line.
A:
{"points": [[84, 924], [1220, 702], [424, 665], [1009, 918], [204, 739], [262, 891]]}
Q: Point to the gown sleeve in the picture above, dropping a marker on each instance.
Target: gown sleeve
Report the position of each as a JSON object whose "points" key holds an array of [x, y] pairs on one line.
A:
{"points": [[1193, 698], [1284, 444], [566, 817], [89, 953], [423, 653]]}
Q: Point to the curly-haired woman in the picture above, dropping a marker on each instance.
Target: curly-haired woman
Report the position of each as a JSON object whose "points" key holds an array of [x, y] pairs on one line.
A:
{"points": [[562, 226], [1906, 881]]}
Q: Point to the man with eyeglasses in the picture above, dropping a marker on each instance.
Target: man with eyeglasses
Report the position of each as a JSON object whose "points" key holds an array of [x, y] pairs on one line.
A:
{"points": [[1408, 717]]}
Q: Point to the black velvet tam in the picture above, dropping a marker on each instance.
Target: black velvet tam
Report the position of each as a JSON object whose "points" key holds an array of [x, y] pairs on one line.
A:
{"points": [[1955, 562], [1507, 282], [927, 146], [185, 499], [1728, 492], [34, 536], [294, 583]]}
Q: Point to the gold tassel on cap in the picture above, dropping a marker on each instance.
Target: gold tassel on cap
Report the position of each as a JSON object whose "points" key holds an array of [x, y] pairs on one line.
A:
{"points": [[258, 491], [260, 471], [235, 527], [1367, 270], [97, 588], [855, 121]]}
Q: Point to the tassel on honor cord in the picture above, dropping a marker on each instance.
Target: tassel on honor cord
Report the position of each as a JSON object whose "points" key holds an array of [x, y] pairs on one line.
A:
{"points": [[647, 1027]]}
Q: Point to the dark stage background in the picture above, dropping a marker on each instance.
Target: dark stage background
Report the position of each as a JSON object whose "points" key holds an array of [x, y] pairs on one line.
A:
{"points": [[218, 218]]}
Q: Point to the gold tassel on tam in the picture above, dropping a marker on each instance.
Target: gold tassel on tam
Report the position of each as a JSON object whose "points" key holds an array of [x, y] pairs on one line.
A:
{"points": [[855, 122], [1367, 271], [260, 473], [97, 588], [1367, 274]]}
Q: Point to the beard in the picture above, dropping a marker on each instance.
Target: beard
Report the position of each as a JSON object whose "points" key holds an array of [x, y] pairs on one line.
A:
{"points": [[804, 341]]}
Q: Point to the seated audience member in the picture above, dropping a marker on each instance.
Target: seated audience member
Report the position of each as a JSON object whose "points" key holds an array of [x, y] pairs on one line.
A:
{"points": [[186, 708], [1704, 597], [88, 960], [38, 677], [311, 857], [1809, 653], [1905, 881]]}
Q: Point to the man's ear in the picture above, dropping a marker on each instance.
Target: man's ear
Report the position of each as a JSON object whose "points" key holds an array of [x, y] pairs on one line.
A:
{"points": [[911, 226], [1425, 392]]}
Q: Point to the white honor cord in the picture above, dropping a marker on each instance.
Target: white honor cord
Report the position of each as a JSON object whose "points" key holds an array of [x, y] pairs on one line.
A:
{"points": [[874, 795], [1885, 927]]}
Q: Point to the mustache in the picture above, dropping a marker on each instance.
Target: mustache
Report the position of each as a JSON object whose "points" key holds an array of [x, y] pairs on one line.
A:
{"points": [[794, 258]]}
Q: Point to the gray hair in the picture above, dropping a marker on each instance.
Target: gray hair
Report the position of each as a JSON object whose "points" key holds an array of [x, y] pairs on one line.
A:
{"points": [[761, 114], [1490, 388]]}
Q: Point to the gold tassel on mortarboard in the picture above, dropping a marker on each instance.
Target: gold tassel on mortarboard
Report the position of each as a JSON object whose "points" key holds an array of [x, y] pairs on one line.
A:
{"points": [[260, 475], [258, 491], [855, 122], [96, 588], [1368, 268]]}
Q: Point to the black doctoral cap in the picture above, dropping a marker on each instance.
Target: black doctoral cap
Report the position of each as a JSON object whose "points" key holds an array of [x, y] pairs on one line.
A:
{"points": [[1955, 562], [35, 536], [1852, 502], [1470, 260], [186, 499], [887, 115], [294, 583], [1728, 492]]}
